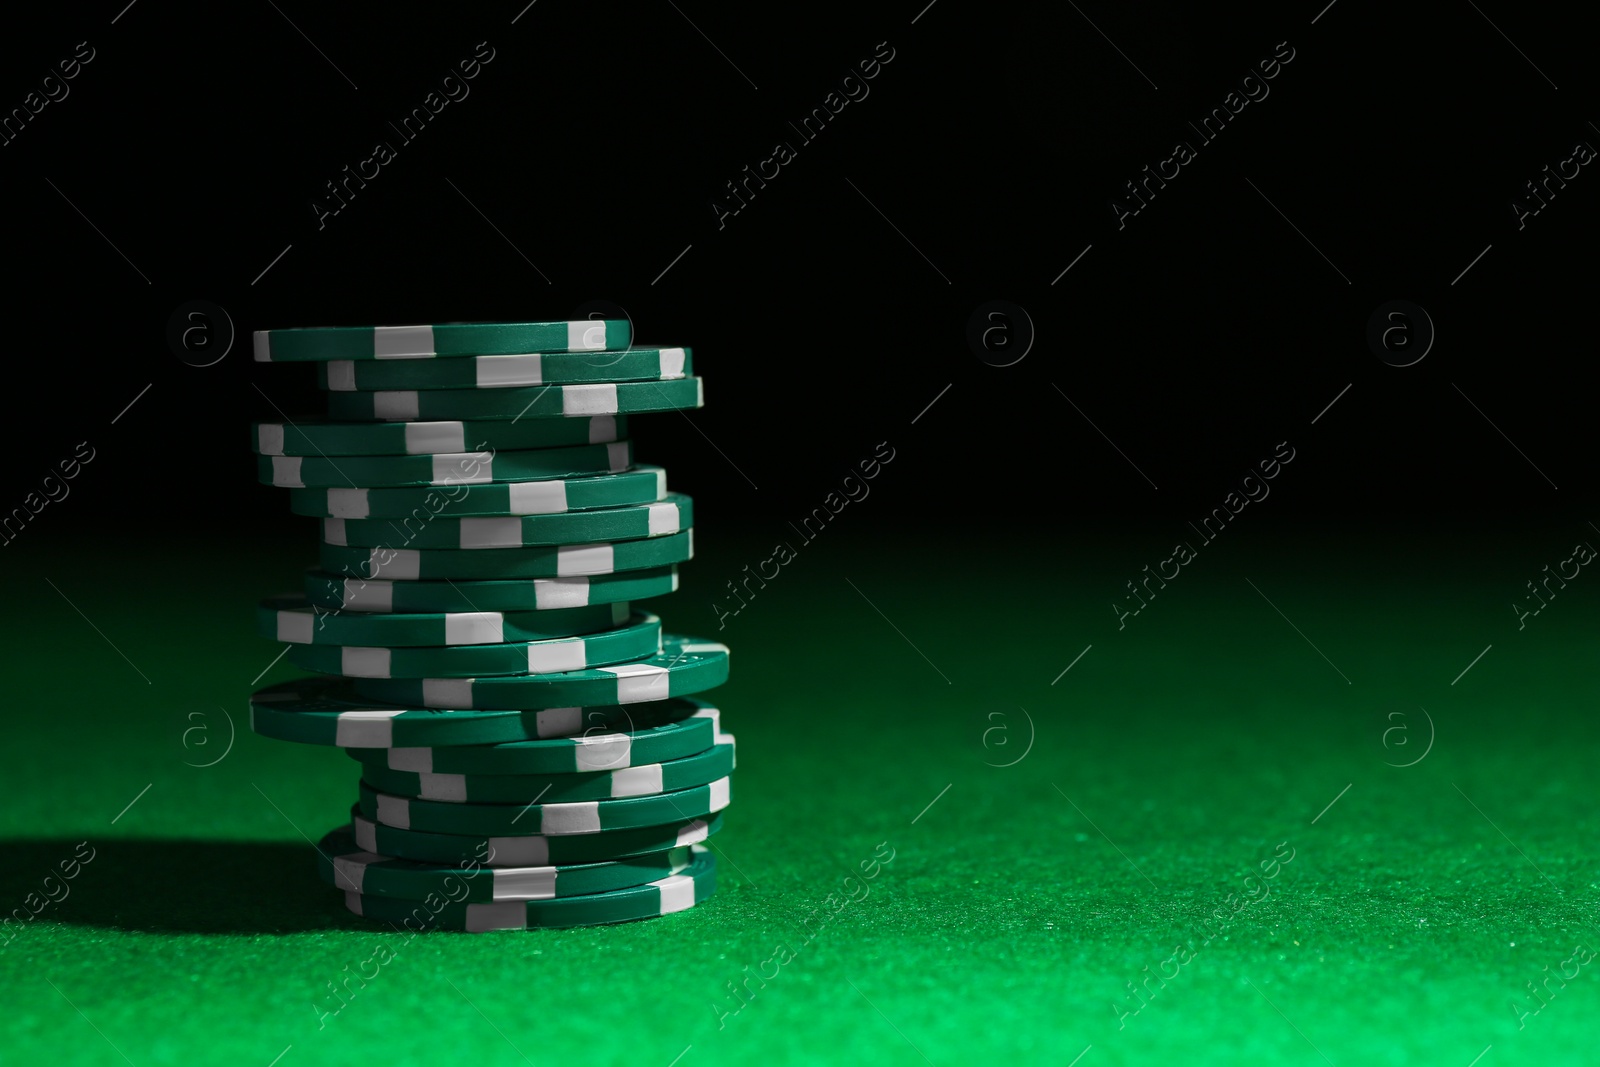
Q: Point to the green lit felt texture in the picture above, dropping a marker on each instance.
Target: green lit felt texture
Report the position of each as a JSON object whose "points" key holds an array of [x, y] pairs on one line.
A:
{"points": [[1172, 759]]}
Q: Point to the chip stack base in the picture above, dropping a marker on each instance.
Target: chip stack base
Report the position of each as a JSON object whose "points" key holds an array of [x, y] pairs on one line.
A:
{"points": [[531, 752]]}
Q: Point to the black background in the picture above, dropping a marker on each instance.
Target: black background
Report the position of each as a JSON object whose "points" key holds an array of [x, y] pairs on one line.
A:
{"points": [[1196, 338]]}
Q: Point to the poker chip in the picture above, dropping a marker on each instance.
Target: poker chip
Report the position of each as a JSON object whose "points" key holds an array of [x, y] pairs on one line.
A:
{"points": [[657, 733], [539, 561], [545, 819], [296, 620], [639, 637], [663, 517], [443, 468], [348, 867], [526, 850], [646, 779], [501, 372], [676, 892], [323, 343], [317, 436], [328, 711], [531, 753], [530, 594], [547, 496], [541, 402], [683, 666]]}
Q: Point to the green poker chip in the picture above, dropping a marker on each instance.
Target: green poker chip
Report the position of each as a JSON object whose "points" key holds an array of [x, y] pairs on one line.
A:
{"points": [[515, 594], [318, 436], [647, 779], [638, 638], [328, 711], [677, 892], [637, 522], [444, 468], [346, 866], [418, 506], [542, 402], [684, 666], [658, 733], [295, 620], [502, 372], [540, 561], [526, 850], [547, 820], [323, 343]]}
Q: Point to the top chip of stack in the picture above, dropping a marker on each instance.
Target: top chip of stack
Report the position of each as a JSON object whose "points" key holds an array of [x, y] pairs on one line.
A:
{"points": [[318, 344]]}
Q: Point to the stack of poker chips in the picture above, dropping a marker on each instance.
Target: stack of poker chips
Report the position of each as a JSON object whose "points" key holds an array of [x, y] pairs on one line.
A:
{"points": [[529, 753]]}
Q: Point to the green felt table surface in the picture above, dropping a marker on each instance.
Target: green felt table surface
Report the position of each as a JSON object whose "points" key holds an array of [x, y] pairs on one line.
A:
{"points": [[878, 684]]}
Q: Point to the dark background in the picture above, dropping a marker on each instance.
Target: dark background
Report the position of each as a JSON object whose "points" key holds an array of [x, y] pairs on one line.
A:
{"points": [[1196, 338]]}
